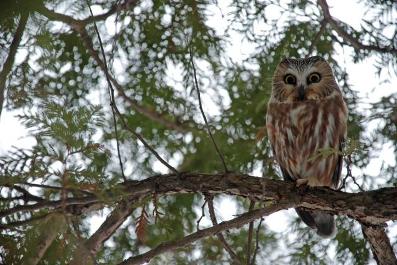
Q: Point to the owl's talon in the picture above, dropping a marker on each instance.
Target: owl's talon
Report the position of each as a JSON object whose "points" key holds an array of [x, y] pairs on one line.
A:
{"points": [[301, 182]]}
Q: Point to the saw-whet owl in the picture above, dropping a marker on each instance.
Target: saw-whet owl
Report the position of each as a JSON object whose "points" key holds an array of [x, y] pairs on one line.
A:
{"points": [[307, 114]]}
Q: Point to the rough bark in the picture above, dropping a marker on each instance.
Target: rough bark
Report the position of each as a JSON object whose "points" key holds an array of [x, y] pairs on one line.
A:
{"points": [[86, 252], [380, 244], [372, 207]]}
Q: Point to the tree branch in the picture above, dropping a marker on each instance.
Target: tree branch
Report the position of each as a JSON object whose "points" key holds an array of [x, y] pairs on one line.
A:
{"points": [[234, 223], [89, 45], [203, 114], [52, 15], [380, 244], [250, 232], [256, 242], [79, 27], [369, 207], [89, 249], [346, 36], [220, 236], [7, 66], [48, 231], [372, 207], [316, 38]]}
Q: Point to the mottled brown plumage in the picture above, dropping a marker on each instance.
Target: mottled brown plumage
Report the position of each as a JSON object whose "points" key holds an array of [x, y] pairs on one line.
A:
{"points": [[306, 124]]}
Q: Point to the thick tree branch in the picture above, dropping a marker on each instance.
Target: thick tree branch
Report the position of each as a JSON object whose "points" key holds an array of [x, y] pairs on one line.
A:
{"points": [[234, 223], [380, 244], [346, 36], [370, 207], [7, 66]]}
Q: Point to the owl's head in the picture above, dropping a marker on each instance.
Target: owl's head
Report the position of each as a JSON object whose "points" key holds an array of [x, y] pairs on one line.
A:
{"points": [[303, 79]]}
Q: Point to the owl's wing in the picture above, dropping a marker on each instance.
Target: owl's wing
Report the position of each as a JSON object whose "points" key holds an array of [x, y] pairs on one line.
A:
{"points": [[339, 164], [306, 216]]}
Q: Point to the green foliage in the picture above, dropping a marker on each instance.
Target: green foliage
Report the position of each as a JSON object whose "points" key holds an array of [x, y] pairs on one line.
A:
{"points": [[61, 95]]}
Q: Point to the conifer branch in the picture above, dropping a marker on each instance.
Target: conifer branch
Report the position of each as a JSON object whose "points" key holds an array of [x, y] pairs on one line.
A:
{"points": [[336, 25], [7, 66]]}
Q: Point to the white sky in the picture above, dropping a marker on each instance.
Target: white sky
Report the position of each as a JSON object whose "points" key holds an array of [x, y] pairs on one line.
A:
{"points": [[362, 79]]}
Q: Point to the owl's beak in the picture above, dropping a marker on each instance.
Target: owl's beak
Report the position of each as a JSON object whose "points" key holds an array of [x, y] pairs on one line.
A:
{"points": [[301, 92]]}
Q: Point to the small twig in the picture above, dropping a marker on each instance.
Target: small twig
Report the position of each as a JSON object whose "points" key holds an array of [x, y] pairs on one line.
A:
{"points": [[202, 111], [250, 232], [349, 174], [156, 213], [316, 38], [256, 242], [116, 110], [202, 214], [220, 236], [111, 95]]}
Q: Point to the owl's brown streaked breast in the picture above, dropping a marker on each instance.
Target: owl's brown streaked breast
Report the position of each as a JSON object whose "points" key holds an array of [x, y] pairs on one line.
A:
{"points": [[298, 130]]}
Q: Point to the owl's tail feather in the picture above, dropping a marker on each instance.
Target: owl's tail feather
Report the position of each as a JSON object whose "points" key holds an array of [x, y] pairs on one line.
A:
{"points": [[323, 223]]}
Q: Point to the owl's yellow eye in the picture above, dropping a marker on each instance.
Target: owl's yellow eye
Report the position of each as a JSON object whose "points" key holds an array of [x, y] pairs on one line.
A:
{"points": [[314, 78], [290, 79]]}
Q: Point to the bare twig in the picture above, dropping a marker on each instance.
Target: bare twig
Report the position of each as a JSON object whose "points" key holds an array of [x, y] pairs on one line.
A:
{"points": [[349, 38], [202, 111], [102, 64], [156, 213], [348, 162], [7, 66], [316, 38], [202, 214], [256, 242], [380, 244], [111, 95], [250, 232], [234, 223], [220, 236], [79, 27]]}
